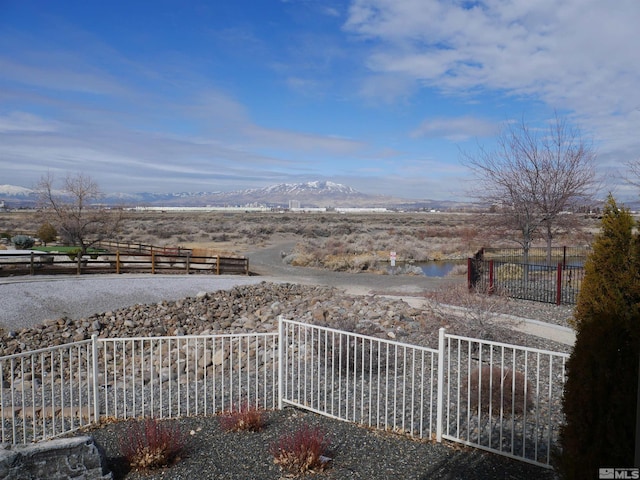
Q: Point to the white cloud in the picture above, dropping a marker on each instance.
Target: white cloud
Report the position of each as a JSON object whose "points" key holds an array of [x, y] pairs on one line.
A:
{"points": [[576, 56], [573, 54], [23, 122], [455, 129]]}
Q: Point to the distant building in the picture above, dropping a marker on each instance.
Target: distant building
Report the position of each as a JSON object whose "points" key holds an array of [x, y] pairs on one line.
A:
{"points": [[361, 210], [2, 206], [294, 204], [309, 210]]}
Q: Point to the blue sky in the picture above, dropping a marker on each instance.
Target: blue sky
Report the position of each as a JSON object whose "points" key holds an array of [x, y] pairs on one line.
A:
{"points": [[381, 95]]}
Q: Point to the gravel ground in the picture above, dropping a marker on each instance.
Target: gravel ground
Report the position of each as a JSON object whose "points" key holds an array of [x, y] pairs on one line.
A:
{"points": [[28, 301], [356, 452]]}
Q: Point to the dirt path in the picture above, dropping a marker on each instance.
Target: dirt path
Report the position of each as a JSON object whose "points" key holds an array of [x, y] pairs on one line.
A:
{"points": [[268, 262]]}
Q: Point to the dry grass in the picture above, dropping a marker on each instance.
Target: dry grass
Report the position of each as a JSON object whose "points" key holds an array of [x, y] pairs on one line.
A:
{"points": [[246, 418], [351, 243]]}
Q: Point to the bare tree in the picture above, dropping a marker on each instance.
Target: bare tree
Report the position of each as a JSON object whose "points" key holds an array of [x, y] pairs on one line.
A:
{"points": [[533, 176], [76, 212], [632, 176]]}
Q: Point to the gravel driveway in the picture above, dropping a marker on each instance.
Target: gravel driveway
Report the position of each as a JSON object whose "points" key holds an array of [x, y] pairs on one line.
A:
{"points": [[28, 301]]}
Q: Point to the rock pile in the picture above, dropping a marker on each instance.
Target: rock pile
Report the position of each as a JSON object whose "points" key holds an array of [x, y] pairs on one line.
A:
{"points": [[244, 309]]}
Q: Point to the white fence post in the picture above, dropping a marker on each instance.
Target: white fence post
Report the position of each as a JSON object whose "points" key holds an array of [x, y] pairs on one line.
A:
{"points": [[94, 367], [440, 406], [281, 348]]}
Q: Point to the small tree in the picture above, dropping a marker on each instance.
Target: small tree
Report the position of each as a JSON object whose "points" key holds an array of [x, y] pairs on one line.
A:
{"points": [[76, 210], [532, 176], [602, 373], [47, 233]]}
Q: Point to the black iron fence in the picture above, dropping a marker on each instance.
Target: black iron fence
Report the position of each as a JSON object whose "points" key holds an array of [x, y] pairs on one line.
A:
{"points": [[503, 271], [574, 256]]}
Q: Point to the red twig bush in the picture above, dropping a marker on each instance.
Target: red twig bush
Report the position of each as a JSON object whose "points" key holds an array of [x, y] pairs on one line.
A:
{"points": [[302, 451], [244, 418], [150, 444], [498, 388]]}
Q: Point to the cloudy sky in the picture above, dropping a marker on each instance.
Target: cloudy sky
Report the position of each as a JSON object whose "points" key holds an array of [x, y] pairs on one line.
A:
{"points": [[381, 95]]}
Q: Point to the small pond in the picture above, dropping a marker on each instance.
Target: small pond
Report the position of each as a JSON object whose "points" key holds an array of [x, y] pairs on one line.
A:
{"points": [[439, 268]]}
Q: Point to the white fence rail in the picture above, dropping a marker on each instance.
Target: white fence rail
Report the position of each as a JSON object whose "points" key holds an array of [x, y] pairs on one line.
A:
{"points": [[50, 392], [360, 379], [165, 377], [47, 392], [503, 398], [494, 396]]}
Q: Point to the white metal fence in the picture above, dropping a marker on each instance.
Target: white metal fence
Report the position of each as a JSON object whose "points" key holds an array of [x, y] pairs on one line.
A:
{"points": [[366, 380], [46, 393], [502, 398], [50, 392], [489, 395]]}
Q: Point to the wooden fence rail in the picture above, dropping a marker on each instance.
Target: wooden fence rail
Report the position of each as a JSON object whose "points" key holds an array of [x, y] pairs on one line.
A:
{"points": [[45, 263], [128, 247]]}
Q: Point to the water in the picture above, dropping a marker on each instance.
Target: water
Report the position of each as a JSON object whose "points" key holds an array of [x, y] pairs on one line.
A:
{"points": [[437, 268]]}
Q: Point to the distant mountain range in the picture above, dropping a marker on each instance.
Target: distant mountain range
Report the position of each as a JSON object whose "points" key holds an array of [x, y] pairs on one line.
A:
{"points": [[309, 194]]}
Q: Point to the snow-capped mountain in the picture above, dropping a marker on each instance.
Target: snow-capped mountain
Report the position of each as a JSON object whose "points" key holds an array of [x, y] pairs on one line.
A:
{"points": [[309, 194], [308, 187], [14, 191], [12, 196]]}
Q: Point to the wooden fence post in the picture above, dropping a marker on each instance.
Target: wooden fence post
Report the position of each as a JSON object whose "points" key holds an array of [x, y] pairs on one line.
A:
{"points": [[188, 262], [153, 261], [118, 262], [217, 264], [559, 285], [31, 266], [79, 258]]}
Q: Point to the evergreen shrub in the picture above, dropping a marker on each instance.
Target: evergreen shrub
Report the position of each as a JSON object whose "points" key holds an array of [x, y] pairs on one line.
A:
{"points": [[600, 392]]}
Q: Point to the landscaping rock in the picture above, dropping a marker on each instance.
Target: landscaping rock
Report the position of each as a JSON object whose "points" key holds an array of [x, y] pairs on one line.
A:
{"points": [[248, 309]]}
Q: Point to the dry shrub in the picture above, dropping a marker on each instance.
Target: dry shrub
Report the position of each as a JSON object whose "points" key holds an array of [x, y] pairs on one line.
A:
{"points": [[302, 451], [244, 418], [150, 444], [479, 309], [349, 262], [509, 271], [458, 270], [337, 263], [362, 263], [303, 260], [503, 390]]}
